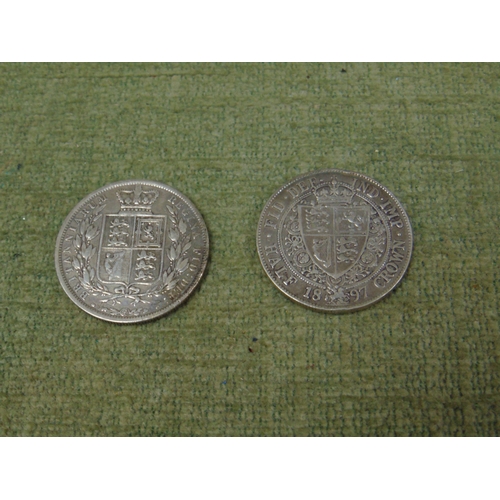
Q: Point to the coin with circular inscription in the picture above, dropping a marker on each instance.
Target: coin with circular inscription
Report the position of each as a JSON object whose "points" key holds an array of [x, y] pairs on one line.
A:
{"points": [[334, 241], [131, 251]]}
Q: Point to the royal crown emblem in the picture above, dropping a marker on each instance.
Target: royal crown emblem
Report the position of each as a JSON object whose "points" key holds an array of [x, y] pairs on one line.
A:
{"points": [[333, 193], [334, 230], [137, 200]]}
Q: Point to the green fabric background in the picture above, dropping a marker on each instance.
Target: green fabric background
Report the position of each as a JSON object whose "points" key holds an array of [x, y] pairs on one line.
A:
{"points": [[424, 361]]}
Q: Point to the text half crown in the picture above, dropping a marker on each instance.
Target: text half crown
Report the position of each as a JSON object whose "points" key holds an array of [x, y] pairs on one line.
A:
{"points": [[333, 193], [137, 200]]}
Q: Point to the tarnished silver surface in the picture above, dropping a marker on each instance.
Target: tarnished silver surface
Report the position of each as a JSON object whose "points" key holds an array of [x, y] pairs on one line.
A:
{"points": [[334, 241], [131, 251]]}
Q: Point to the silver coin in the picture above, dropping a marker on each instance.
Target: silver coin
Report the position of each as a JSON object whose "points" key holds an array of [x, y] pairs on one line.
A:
{"points": [[131, 251], [334, 241]]}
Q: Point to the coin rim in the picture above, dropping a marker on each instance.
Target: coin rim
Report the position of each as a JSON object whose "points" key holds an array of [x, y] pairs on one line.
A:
{"points": [[340, 309], [185, 295]]}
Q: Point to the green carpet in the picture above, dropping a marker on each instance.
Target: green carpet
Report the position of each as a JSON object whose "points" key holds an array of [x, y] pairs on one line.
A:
{"points": [[239, 358]]}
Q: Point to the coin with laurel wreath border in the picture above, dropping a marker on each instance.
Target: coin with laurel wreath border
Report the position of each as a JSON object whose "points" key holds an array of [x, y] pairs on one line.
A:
{"points": [[334, 241], [132, 251]]}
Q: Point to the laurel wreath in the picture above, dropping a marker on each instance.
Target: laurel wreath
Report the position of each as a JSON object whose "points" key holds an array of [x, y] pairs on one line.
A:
{"points": [[180, 244], [88, 230]]}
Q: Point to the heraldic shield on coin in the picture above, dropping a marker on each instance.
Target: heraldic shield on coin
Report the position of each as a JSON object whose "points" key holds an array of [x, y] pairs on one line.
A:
{"points": [[132, 251], [334, 241]]}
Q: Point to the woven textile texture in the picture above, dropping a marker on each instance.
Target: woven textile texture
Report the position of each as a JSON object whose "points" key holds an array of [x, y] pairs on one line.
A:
{"points": [[239, 358]]}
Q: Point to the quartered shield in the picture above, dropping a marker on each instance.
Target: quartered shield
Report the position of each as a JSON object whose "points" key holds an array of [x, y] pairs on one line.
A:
{"points": [[334, 235], [131, 250]]}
